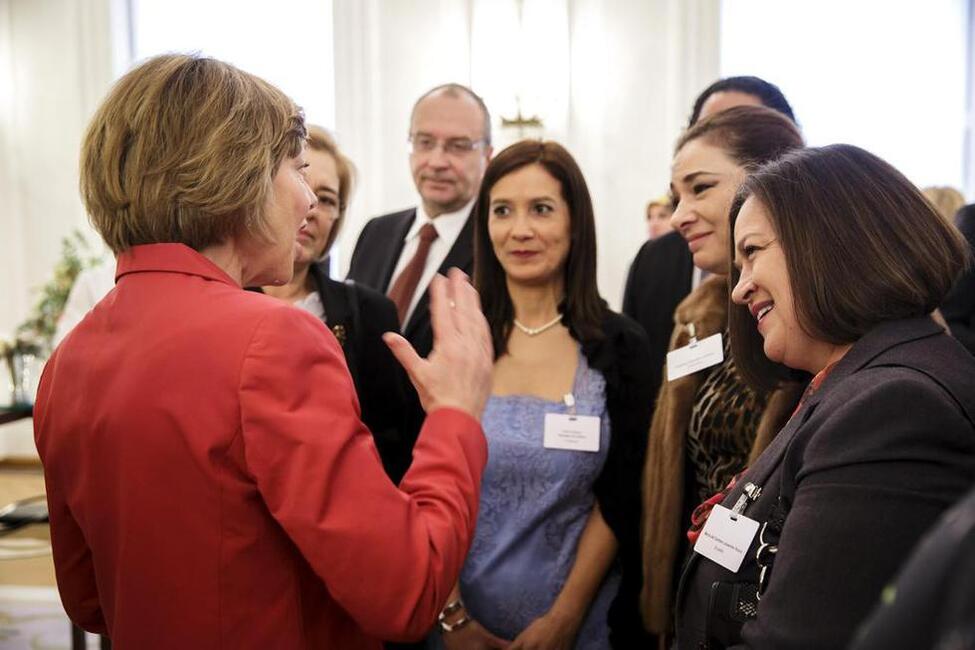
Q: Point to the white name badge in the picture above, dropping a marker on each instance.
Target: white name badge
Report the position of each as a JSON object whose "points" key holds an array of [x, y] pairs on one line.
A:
{"points": [[696, 356], [724, 539], [571, 432]]}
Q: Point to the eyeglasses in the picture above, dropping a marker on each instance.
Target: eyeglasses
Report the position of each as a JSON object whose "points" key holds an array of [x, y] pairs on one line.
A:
{"points": [[456, 147]]}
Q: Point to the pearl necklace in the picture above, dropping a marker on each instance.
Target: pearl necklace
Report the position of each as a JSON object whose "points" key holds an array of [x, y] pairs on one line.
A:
{"points": [[535, 331]]}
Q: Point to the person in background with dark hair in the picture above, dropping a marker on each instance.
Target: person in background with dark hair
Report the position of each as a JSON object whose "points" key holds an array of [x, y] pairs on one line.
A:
{"points": [[839, 262], [663, 273], [707, 424], [555, 561], [958, 308], [357, 315], [739, 91]]}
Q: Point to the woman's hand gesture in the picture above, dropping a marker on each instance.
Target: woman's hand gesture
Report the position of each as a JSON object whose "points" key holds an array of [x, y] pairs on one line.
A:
{"points": [[458, 371]]}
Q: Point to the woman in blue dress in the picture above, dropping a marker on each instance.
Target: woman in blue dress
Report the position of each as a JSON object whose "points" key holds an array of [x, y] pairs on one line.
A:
{"points": [[555, 559]]}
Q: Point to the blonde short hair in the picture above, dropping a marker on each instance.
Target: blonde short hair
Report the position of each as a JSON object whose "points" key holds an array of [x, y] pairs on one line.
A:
{"points": [[947, 200], [184, 149], [319, 139]]}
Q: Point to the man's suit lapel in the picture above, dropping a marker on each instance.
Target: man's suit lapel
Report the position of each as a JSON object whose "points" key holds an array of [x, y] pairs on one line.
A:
{"points": [[395, 243], [461, 255]]}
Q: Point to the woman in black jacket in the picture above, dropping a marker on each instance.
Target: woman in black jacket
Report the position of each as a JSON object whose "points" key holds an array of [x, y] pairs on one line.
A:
{"points": [[357, 315], [838, 262]]}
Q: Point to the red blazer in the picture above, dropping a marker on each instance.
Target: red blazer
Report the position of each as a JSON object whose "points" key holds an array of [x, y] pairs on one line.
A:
{"points": [[211, 486]]}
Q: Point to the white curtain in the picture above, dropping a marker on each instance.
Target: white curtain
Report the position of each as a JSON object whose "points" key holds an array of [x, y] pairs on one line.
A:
{"points": [[57, 59]]}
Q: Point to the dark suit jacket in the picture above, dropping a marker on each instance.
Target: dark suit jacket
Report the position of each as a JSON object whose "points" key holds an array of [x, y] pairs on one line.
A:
{"points": [[958, 307], [659, 278], [862, 470], [358, 317], [932, 604], [374, 260]]}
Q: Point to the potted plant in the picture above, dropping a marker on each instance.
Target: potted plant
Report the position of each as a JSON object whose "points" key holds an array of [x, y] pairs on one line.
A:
{"points": [[32, 339]]}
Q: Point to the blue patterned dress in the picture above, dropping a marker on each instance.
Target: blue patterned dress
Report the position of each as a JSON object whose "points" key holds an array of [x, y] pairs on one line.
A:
{"points": [[534, 506]]}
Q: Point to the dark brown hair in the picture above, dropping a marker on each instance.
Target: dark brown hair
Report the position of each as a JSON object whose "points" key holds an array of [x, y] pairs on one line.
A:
{"points": [[862, 246], [750, 135], [582, 308], [767, 93], [184, 149]]}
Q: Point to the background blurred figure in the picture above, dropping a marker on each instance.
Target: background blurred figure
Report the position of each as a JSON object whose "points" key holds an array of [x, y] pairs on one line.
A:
{"points": [[658, 216], [931, 603], [663, 273], [708, 424], [958, 308], [209, 481], [739, 91], [358, 316], [947, 200], [555, 514], [840, 261]]}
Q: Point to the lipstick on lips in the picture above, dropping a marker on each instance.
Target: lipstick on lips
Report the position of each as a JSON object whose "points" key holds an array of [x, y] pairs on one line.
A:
{"points": [[760, 309], [694, 242]]}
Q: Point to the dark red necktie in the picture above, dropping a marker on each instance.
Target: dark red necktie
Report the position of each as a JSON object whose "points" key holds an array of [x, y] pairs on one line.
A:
{"points": [[404, 287]]}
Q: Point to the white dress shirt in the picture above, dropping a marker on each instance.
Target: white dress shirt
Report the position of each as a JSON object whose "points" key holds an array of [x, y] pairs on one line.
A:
{"points": [[448, 226]]}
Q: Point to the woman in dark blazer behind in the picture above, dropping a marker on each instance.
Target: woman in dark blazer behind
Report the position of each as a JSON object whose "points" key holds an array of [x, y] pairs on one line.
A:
{"points": [[840, 260], [357, 315]]}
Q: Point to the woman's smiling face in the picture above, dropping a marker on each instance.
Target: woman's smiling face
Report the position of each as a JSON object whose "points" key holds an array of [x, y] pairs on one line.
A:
{"points": [[765, 287], [704, 180]]}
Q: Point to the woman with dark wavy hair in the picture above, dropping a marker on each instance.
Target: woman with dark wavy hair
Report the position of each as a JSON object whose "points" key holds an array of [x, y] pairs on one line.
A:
{"points": [[838, 263], [554, 562], [707, 424]]}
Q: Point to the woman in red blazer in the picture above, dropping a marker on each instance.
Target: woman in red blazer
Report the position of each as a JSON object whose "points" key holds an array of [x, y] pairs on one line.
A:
{"points": [[210, 483]]}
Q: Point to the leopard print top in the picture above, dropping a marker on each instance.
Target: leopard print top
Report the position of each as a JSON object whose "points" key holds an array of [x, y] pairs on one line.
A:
{"points": [[724, 421]]}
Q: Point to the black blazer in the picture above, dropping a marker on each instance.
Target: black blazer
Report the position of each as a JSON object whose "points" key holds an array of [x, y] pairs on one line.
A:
{"points": [[958, 307], [932, 604], [659, 278], [358, 317], [859, 473], [374, 260], [622, 356]]}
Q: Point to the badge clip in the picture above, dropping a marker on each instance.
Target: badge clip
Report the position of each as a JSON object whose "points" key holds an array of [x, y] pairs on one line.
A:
{"points": [[570, 403]]}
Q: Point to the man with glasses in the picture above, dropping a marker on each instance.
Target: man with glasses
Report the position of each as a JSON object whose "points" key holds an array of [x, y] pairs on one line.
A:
{"points": [[399, 253]]}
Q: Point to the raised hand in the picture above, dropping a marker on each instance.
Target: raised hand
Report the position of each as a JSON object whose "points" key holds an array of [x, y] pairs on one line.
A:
{"points": [[458, 371]]}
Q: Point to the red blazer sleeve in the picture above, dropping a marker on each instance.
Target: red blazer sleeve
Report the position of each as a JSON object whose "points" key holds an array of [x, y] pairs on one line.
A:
{"points": [[388, 556], [74, 569]]}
